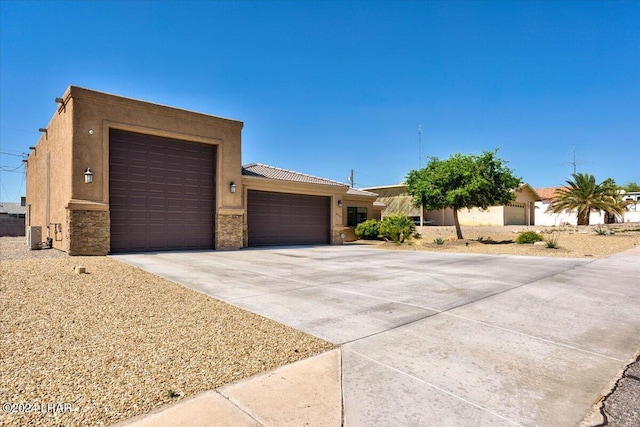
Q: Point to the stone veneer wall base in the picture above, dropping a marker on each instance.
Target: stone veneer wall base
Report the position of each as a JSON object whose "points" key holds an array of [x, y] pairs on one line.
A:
{"points": [[229, 233], [88, 232]]}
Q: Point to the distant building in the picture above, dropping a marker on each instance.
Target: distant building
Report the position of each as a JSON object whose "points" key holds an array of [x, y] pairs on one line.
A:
{"points": [[519, 212], [11, 219], [571, 218]]}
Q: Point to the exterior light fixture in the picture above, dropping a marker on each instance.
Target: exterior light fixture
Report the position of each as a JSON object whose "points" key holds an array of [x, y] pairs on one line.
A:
{"points": [[88, 176], [232, 187], [339, 203]]}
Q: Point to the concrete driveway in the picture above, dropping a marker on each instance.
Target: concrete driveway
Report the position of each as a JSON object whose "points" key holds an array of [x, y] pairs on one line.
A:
{"points": [[435, 338]]}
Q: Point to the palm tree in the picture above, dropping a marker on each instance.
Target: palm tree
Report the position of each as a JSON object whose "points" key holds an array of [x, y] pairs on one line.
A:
{"points": [[584, 195]]}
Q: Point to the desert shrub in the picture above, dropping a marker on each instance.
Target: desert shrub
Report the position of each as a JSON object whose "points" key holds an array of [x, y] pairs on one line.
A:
{"points": [[397, 228], [368, 230], [603, 231], [529, 237], [552, 241], [438, 241]]}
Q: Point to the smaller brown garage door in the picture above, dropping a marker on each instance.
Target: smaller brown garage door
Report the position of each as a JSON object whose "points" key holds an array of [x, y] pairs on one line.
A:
{"points": [[287, 219]]}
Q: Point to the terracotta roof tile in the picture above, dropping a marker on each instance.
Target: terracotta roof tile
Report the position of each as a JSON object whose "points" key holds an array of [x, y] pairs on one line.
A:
{"points": [[357, 192], [546, 193], [271, 172]]}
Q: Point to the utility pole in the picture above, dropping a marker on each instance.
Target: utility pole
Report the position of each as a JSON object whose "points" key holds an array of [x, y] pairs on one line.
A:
{"points": [[420, 146], [420, 167], [574, 163]]}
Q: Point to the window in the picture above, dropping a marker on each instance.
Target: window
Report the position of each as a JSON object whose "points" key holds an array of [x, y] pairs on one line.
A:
{"points": [[355, 216]]}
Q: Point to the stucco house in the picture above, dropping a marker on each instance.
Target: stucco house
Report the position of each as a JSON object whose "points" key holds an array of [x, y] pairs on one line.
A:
{"points": [[11, 219], [113, 174], [571, 218], [519, 212]]}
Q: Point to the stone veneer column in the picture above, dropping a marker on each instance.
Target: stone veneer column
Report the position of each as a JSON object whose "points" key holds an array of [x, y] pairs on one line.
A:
{"points": [[88, 229], [229, 233], [336, 236]]}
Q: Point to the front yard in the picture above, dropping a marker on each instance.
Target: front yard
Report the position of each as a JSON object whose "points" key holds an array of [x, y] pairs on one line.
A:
{"points": [[117, 342]]}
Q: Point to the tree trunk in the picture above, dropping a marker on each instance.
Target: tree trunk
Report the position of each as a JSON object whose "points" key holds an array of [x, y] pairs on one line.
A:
{"points": [[583, 217], [457, 223]]}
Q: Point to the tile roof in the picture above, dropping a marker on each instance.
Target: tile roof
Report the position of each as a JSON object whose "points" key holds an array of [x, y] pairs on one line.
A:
{"points": [[546, 193], [357, 192], [271, 172]]}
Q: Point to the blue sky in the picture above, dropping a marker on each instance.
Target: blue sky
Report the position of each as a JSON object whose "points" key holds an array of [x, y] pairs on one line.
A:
{"points": [[324, 87]]}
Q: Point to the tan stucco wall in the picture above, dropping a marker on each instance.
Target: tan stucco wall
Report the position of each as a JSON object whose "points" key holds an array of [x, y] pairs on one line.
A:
{"points": [[440, 216], [493, 215], [396, 200], [78, 138], [48, 196]]}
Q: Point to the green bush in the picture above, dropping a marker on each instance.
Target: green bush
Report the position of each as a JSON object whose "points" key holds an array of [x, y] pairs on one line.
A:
{"points": [[396, 228], [438, 241], [529, 237], [368, 230]]}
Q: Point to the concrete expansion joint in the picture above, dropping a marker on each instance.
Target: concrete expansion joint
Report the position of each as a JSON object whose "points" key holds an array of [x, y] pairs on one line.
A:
{"points": [[341, 387], [235, 405]]}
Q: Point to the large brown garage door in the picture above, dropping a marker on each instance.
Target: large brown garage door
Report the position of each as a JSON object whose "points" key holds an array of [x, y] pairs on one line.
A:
{"points": [[287, 219], [161, 193]]}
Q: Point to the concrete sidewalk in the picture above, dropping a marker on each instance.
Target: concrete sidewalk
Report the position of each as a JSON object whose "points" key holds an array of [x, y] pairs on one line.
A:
{"points": [[426, 338], [305, 393]]}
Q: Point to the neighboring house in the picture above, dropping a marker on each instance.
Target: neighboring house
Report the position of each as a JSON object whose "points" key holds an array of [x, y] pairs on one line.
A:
{"points": [[112, 174], [519, 212], [571, 218], [12, 219], [633, 210]]}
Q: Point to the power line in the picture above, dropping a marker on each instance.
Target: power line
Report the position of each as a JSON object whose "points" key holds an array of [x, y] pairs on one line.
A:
{"points": [[19, 130], [6, 153], [10, 168]]}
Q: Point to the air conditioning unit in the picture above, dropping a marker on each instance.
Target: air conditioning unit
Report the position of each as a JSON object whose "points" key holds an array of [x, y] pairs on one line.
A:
{"points": [[34, 237]]}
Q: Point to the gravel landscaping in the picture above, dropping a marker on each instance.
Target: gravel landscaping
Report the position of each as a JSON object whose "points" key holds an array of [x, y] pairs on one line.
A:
{"points": [[572, 241], [118, 342]]}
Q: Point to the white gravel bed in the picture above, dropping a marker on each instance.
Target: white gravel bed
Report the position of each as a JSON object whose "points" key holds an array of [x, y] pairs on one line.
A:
{"points": [[117, 342]]}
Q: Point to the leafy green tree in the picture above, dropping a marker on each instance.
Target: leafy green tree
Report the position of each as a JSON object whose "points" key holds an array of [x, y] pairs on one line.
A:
{"points": [[463, 181], [631, 186], [584, 195]]}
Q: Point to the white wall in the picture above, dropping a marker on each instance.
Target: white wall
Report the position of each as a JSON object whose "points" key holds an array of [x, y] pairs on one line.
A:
{"points": [[544, 218]]}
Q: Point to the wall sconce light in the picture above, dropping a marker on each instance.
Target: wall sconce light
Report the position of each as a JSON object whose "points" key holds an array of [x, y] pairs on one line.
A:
{"points": [[88, 176], [339, 203], [232, 187]]}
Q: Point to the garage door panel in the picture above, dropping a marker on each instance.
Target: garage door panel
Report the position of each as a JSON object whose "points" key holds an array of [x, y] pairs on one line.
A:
{"points": [[287, 219], [158, 197]]}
